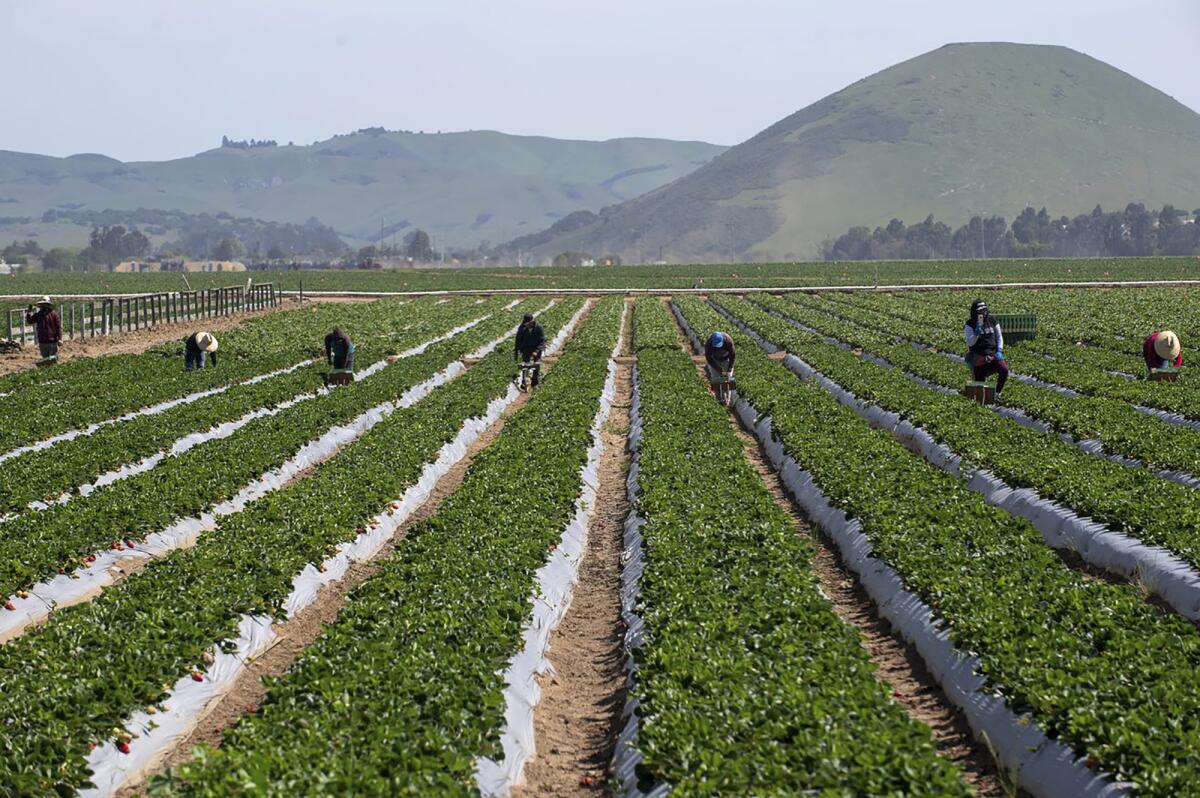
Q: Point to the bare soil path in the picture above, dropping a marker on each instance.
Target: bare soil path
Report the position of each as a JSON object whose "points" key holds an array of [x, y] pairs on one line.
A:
{"points": [[578, 718], [897, 664]]}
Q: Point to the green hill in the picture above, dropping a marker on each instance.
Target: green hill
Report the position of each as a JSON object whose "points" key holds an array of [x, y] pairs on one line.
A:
{"points": [[462, 187], [968, 128]]}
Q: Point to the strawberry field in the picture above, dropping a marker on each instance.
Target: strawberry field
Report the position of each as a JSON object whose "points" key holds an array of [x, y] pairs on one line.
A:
{"points": [[241, 581]]}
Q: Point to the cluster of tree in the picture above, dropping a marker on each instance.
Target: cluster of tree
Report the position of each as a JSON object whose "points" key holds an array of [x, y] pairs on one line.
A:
{"points": [[109, 245], [247, 144], [416, 247], [1134, 231], [220, 237], [19, 252]]}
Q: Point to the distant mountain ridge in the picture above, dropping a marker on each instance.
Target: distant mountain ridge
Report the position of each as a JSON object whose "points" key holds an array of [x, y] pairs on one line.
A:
{"points": [[966, 129], [463, 187]]}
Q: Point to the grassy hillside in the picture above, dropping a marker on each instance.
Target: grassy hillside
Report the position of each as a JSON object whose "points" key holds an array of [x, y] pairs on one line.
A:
{"points": [[968, 128], [463, 187]]}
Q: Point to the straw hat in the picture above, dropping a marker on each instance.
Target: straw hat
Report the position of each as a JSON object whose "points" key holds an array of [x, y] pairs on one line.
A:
{"points": [[44, 301], [206, 341], [1166, 345]]}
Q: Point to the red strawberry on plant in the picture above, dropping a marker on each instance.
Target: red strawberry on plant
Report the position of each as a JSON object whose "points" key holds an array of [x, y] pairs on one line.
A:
{"points": [[123, 747], [196, 677], [1092, 763], [8, 605]]}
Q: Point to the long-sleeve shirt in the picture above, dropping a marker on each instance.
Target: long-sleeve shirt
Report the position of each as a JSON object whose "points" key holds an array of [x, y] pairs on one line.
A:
{"points": [[46, 324], [530, 338], [721, 358], [1153, 361], [985, 341]]}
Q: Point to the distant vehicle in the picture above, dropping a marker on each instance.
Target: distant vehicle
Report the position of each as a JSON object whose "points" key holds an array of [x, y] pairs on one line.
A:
{"points": [[5, 268]]}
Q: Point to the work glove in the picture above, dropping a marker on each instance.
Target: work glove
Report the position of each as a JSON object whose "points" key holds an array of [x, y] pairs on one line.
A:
{"points": [[1000, 354]]}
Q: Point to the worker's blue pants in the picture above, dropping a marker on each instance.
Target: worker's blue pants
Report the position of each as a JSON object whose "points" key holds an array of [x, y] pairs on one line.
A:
{"points": [[194, 360]]}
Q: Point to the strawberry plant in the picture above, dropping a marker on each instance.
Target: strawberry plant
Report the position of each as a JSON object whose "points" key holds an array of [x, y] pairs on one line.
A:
{"points": [[68, 683], [747, 682], [420, 649], [1093, 664], [36, 544]]}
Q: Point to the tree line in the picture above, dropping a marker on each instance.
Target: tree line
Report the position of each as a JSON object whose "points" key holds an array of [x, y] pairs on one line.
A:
{"points": [[247, 144], [1134, 231]]}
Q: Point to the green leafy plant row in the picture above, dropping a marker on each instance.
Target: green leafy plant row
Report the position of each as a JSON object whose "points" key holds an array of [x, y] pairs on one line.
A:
{"points": [[1121, 428], [1095, 665], [40, 476], [748, 682], [1112, 321], [1069, 368], [60, 538], [404, 692], [950, 318], [84, 391], [1132, 501], [66, 685]]}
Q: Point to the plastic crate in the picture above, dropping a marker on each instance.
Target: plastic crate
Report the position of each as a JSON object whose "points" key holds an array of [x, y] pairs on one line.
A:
{"points": [[1017, 326]]}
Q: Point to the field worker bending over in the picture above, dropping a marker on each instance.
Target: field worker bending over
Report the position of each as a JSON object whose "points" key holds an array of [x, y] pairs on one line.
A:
{"points": [[720, 354], [531, 340], [47, 326], [1161, 350], [985, 356], [197, 349], [339, 350]]}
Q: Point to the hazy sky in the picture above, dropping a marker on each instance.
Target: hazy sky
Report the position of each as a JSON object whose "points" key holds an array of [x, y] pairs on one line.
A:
{"points": [[154, 79]]}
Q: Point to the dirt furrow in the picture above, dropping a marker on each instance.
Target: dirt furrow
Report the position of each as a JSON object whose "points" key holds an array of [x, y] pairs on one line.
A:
{"points": [[578, 718]]}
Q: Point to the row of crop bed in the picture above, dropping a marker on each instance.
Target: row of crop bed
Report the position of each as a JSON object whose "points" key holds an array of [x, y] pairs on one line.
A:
{"points": [[41, 403], [747, 682], [66, 685], [1133, 501], [1092, 663], [415, 660], [891, 311], [38, 476], [1069, 368], [1113, 321], [1119, 427], [63, 536]]}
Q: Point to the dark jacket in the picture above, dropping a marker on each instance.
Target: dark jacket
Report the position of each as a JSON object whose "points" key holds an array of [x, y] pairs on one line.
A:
{"points": [[721, 358], [337, 346], [191, 347], [530, 338], [47, 324]]}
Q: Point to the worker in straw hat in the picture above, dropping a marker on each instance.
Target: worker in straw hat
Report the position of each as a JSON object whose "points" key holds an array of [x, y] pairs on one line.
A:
{"points": [[47, 326], [198, 347], [1161, 350]]}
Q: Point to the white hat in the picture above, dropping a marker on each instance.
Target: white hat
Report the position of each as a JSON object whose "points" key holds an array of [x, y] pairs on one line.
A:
{"points": [[45, 301], [1166, 345], [206, 341]]}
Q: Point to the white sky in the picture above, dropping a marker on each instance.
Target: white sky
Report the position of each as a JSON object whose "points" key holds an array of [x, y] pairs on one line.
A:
{"points": [[155, 79]]}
